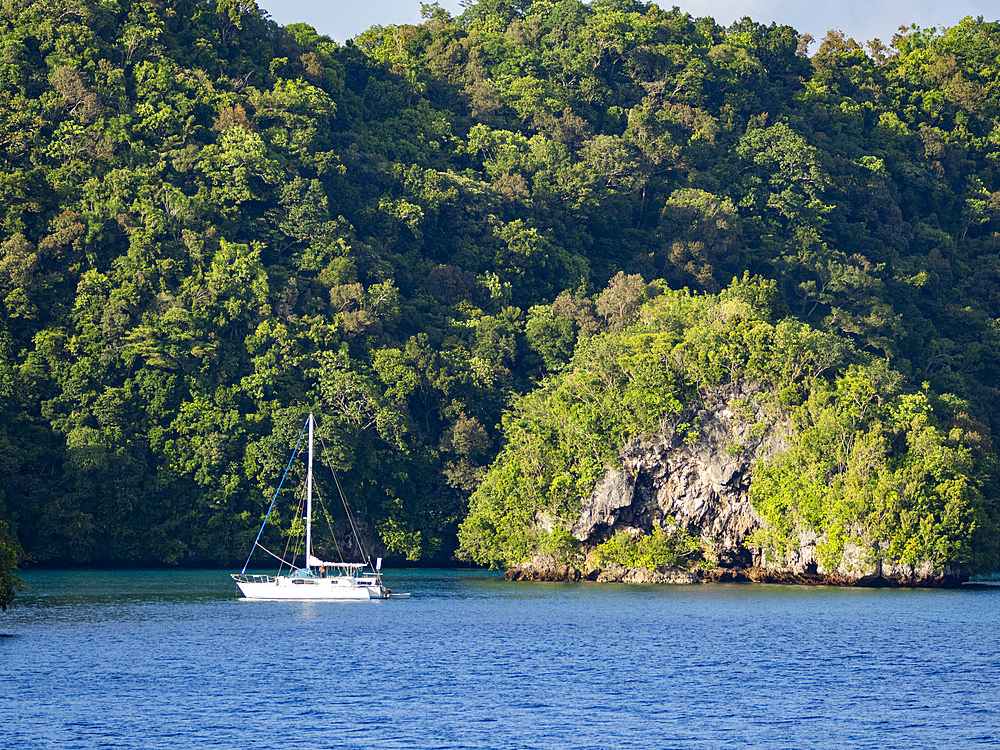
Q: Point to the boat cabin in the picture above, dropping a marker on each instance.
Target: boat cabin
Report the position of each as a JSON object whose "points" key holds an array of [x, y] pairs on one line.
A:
{"points": [[350, 574]]}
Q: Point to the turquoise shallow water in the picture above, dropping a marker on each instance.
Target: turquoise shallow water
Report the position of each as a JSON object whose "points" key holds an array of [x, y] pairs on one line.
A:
{"points": [[172, 659]]}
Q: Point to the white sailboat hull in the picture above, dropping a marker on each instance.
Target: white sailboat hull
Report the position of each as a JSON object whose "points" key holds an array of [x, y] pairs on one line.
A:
{"points": [[308, 589]]}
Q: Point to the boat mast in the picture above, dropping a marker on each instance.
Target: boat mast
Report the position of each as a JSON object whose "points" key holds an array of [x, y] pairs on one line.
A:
{"points": [[309, 494]]}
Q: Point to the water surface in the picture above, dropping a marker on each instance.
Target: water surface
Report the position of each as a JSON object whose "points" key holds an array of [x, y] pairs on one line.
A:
{"points": [[173, 659]]}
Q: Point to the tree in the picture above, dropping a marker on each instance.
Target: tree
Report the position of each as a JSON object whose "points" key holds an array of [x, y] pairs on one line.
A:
{"points": [[10, 553], [620, 302]]}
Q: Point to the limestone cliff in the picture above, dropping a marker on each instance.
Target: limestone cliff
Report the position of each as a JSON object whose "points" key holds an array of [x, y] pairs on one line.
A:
{"points": [[703, 484]]}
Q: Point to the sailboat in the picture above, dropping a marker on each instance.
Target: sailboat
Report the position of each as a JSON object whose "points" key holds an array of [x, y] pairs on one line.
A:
{"points": [[318, 579]]}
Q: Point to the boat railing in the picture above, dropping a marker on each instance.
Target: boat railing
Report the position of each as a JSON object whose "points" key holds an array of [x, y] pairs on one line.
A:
{"points": [[248, 578]]}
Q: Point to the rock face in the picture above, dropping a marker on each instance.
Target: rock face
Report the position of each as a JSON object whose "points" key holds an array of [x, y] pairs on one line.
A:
{"points": [[545, 567], [703, 484], [615, 573]]}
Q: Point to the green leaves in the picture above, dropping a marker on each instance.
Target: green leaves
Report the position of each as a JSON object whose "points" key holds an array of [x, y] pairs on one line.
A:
{"points": [[202, 211], [10, 552], [872, 467], [658, 549], [237, 169], [867, 464]]}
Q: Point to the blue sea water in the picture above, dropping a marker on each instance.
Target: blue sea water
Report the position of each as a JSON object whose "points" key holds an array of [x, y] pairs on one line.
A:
{"points": [[173, 659]]}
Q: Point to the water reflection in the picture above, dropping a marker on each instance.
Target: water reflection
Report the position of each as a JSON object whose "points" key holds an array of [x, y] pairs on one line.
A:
{"points": [[175, 658]]}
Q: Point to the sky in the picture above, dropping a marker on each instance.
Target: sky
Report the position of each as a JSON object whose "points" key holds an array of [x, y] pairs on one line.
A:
{"points": [[861, 19]]}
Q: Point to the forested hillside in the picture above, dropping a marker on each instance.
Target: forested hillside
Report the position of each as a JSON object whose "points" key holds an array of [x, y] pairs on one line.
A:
{"points": [[212, 224], [873, 476]]}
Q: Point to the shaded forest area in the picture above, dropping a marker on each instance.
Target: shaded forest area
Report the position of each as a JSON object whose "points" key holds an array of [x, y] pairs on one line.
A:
{"points": [[210, 224]]}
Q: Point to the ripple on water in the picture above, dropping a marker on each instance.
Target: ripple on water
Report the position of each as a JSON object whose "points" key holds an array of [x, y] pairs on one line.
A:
{"points": [[172, 659]]}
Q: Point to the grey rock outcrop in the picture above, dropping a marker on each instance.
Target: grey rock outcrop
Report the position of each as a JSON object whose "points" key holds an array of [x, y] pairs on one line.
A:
{"points": [[703, 486], [543, 567], [615, 573]]}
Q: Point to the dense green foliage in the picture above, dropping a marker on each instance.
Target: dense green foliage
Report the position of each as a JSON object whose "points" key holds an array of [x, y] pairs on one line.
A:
{"points": [[658, 549], [868, 463], [10, 551], [898, 474], [210, 224]]}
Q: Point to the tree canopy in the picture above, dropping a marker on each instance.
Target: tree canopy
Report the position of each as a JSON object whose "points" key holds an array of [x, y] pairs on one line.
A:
{"points": [[210, 224], [898, 474]]}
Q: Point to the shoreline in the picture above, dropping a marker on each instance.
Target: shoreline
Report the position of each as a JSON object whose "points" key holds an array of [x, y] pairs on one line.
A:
{"points": [[566, 573]]}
